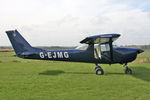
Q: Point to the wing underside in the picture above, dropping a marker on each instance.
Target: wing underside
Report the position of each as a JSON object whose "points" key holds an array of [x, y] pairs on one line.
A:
{"points": [[100, 39]]}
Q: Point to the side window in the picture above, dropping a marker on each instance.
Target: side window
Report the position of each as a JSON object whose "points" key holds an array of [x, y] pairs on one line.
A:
{"points": [[105, 47], [82, 47]]}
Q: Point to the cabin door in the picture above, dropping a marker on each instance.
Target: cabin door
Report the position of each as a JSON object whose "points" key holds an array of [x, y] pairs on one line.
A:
{"points": [[97, 51]]}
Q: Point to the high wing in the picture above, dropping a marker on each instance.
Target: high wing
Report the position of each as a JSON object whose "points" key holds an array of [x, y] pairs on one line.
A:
{"points": [[100, 39]]}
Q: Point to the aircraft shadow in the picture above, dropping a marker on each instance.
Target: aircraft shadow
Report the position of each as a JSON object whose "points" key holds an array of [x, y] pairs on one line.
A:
{"points": [[141, 72], [57, 72]]}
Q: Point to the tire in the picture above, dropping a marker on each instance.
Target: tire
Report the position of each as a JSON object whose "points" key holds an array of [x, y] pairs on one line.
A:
{"points": [[128, 71], [99, 71]]}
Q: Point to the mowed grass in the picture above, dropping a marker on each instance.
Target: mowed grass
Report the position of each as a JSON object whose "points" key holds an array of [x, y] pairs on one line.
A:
{"points": [[22, 79]]}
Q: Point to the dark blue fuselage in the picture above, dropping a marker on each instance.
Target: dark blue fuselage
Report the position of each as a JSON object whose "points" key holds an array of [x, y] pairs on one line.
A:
{"points": [[121, 55]]}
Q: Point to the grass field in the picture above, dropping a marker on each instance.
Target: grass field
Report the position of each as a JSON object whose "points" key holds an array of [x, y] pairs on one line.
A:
{"points": [[22, 79]]}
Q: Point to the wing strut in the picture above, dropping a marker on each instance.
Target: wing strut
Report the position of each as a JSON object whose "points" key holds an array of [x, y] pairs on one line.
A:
{"points": [[111, 49]]}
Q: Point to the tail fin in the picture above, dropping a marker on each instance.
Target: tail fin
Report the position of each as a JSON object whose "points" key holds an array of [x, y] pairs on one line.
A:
{"points": [[19, 44]]}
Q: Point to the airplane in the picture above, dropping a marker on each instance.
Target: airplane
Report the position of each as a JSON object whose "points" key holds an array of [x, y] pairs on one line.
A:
{"points": [[97, 49]]}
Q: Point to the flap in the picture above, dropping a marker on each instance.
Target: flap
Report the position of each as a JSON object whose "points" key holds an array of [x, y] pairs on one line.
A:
{"points": [[100, 39]]}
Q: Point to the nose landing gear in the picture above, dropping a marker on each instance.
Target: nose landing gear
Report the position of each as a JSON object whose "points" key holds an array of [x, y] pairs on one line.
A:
{"points": [[128, 70]]}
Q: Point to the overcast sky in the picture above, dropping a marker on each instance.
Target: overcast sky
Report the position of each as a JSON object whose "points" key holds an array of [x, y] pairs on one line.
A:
{"points": [[67, 22]]}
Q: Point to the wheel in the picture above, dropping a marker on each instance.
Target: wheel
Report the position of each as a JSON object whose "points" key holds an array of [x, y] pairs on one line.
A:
{"points": [[99, 71], [128, 71]]}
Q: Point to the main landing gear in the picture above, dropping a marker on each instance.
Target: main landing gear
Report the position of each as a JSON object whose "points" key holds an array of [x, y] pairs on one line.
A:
{"points": [[99, 70], [128, 70]]}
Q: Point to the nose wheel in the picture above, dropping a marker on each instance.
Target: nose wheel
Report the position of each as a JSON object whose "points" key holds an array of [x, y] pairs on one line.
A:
{"points": [[99, 70], [128, 70]]}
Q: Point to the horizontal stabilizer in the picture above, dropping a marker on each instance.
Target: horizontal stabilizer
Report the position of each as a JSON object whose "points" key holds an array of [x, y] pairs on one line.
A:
{"points": [[27, 54]]}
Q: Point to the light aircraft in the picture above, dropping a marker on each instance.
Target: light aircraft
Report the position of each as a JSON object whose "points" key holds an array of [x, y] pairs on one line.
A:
{"points": [[98, 49]]}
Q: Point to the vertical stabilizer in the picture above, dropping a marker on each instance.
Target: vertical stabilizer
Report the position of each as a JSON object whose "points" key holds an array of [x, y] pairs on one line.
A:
{"points": [[19, 44]]}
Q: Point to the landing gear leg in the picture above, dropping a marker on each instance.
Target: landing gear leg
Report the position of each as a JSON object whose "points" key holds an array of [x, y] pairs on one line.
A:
{"points": [[98, 70], [128, 70]]}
